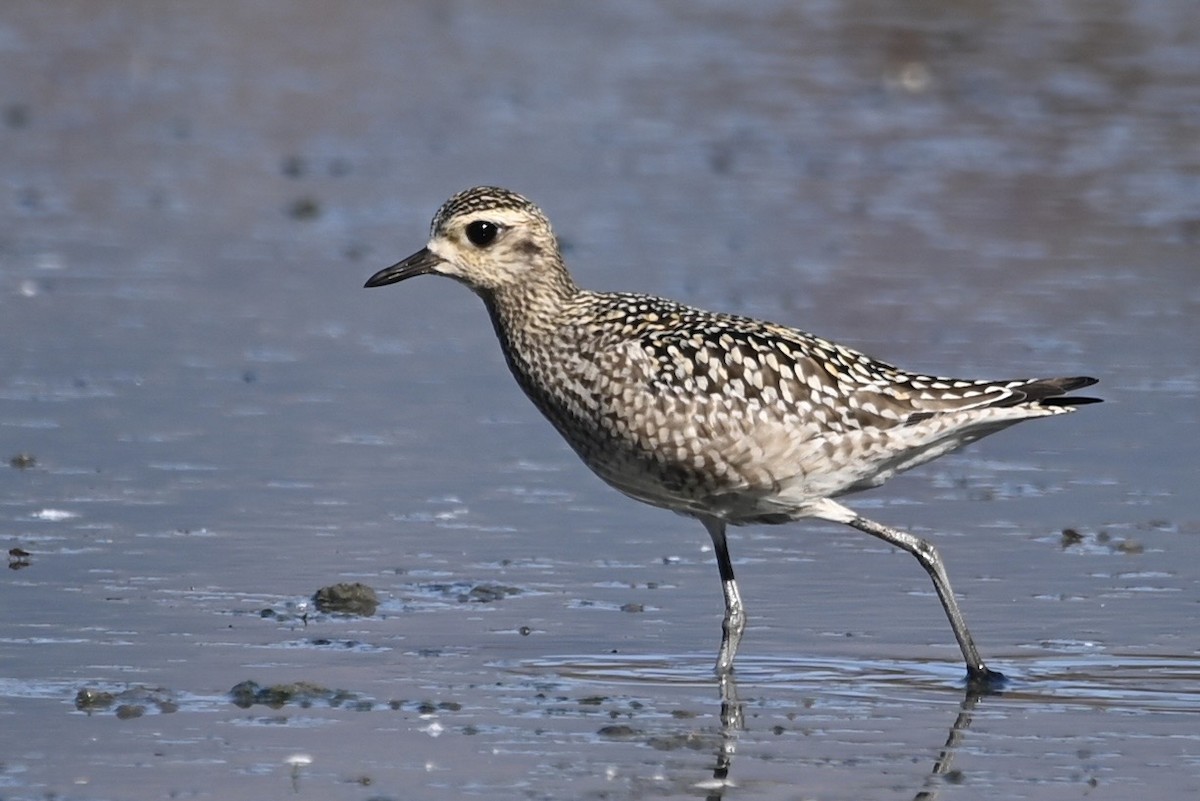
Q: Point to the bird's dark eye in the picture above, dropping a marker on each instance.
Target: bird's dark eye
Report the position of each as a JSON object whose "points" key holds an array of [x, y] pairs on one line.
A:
{"points": [[482, 233]]}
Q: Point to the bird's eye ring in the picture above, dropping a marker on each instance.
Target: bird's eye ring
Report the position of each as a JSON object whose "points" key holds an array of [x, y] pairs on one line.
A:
{"points": [[482, 233]]}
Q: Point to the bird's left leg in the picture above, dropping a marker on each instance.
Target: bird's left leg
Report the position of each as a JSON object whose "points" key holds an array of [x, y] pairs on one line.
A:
{"points": [[735, 614]]}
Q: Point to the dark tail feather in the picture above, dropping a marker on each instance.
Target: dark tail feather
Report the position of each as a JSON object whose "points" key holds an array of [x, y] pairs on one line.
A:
{"points": [[1077, 400], [1054, 391]]}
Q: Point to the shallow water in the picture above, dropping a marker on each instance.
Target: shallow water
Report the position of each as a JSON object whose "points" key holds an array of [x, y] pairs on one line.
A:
{"points": [[221, 421]]}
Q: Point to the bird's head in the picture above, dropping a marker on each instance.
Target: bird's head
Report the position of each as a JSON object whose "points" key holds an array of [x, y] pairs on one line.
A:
{"points": [[488, 238]]}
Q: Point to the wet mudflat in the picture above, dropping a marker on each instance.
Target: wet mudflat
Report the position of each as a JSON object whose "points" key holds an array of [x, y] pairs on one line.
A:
{"points": [[204, 419]]}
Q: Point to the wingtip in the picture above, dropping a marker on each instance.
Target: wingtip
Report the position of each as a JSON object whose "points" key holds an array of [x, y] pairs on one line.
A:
{"points": [[1064, 386], [1076, 382]]}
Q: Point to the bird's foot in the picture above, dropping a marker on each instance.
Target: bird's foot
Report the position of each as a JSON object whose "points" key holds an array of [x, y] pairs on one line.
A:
{"points": [[985, 681]]}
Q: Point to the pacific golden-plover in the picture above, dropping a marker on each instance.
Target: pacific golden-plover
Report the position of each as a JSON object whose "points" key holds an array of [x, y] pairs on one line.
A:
{"points": [[723, 418]]}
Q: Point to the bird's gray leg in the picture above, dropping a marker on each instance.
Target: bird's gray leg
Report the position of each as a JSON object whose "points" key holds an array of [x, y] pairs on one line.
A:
{"points": [[735, 614], [977, 672]]}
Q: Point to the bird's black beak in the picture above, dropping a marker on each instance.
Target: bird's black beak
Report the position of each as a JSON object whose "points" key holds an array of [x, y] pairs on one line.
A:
{"points": [[422, 262]]}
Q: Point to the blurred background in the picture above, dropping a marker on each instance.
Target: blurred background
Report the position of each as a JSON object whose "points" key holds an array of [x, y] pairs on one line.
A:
{"points": [[203, 416]]}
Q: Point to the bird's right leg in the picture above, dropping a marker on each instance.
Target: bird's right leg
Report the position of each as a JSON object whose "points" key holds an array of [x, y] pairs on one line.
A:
{"points": [[979, 675], [735, 614]]}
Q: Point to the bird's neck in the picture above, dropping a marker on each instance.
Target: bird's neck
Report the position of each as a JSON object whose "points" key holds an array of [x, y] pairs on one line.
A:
{"points": [[530, 319], [530, 308]]}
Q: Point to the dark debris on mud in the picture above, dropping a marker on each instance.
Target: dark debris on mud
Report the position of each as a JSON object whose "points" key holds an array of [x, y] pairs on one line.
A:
{"points": [[306, 694], [464, 592], [19, 558], [1072, 538], [130, 703], [23, 461]]}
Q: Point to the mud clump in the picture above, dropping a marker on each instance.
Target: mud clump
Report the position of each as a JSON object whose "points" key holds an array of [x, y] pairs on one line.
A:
{"points": [[347, 599], [1071, 537], [488, 593], [246, 694]]}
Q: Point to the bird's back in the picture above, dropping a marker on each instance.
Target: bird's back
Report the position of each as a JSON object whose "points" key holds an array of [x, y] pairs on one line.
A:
{"points": [[727, 416]]}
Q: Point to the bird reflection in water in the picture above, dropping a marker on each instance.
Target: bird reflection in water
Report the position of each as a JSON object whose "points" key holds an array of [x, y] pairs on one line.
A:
{"points": [[733, 723]]}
